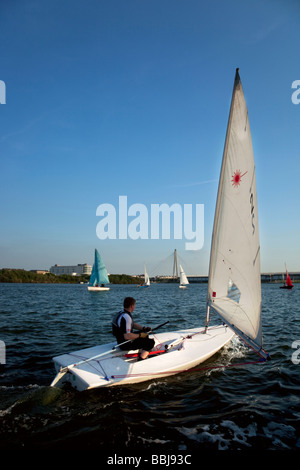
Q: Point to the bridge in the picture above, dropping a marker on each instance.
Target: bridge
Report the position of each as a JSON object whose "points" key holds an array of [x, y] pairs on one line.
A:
{"points": [[174, 258], [265, 278]]}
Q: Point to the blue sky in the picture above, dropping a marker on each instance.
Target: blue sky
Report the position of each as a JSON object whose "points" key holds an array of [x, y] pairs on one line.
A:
{"points": [[131, 97]]}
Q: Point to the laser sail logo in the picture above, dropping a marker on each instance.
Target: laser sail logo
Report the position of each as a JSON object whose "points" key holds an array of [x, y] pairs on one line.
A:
{"points": [[296, 94], [2, 92], [237, 178], [135, 222]]}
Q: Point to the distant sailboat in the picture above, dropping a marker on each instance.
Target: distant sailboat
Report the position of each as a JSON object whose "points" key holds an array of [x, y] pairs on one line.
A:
{"points": [[183, 279], [99, 275], [288, 282], [146, 282]]}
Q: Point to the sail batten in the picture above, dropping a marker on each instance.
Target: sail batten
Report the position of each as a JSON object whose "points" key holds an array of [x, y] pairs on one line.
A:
{"points": [[234, 289]]}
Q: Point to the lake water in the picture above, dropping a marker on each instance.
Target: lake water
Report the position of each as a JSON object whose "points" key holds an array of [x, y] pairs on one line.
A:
{"points": [[245, 407]]}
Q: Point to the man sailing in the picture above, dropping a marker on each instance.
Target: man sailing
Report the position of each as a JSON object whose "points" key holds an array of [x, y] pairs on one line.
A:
{"points": [[123, 326]]}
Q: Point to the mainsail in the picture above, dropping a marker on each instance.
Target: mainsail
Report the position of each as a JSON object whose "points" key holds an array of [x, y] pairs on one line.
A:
{"points": [[99, 273], [234, 287], [146, 277], [288, 280], [183, 279]]}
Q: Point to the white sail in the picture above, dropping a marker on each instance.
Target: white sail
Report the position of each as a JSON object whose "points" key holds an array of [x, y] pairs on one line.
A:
{"points": [[183, 279], [147, 279], [234, 289]]}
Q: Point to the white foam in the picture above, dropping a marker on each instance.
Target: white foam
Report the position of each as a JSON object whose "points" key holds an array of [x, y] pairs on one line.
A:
{"points": [[279, 431], [223, 435]]}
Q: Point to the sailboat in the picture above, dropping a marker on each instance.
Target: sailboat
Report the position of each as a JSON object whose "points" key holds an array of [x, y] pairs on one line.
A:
{"points": [[183, 279], [234, 290], [288, 282], [99, 275], [146, 282]]}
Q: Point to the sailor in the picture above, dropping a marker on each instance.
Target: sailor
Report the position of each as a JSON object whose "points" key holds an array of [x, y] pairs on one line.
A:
{"points": [[123, 326]]}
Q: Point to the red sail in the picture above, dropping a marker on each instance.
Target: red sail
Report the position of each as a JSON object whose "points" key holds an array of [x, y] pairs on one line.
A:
{"points": [[288, 280]]}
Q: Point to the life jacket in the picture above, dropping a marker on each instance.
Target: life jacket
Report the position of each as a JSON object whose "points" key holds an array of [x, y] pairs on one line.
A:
{"points": [[116, 330]]}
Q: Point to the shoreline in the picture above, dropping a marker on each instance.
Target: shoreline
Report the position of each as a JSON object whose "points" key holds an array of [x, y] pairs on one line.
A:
{"points": [[21, 276]]}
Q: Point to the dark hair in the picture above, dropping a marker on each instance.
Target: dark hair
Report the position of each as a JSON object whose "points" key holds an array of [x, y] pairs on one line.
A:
{"points": [[128, 301]]}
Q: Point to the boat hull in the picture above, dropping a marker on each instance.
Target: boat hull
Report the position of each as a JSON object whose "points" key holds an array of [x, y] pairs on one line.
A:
{"points": [[97, 289], [185, 349]]}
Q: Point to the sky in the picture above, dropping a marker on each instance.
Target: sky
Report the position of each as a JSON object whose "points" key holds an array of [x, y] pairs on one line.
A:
{"points": [[131, 98]]}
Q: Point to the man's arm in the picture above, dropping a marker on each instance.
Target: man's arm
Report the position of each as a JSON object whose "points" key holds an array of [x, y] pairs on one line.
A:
{"points": [[130, 336]]}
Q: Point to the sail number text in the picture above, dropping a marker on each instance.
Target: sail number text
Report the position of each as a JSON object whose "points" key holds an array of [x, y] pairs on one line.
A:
{"points": [[252, 211]]}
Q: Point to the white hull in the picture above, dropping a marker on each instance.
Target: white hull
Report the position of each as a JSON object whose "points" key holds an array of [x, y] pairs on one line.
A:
{"points": [[186, 349], [97, 289], [182, 287]]}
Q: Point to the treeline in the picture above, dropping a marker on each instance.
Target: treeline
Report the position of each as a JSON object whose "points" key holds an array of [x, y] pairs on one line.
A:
{"points": [[124, 279], [23, 276]]}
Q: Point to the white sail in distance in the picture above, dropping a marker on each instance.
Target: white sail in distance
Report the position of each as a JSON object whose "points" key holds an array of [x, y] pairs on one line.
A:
{"points": [[234, 287], [183, 279], [146, 277]]}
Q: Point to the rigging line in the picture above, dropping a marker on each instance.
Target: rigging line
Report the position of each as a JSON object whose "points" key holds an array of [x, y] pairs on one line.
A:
{"points": [[162, 264], [197, 369], [78, 356], [103, 370], [246, 339], [159, 344], [93, 366], [253, 349]]}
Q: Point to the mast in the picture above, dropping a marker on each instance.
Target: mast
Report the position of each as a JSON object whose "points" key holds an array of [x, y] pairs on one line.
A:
{"points": [[175, 265]]}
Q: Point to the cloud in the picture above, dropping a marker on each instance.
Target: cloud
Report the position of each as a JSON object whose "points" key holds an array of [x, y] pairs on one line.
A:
{"points": [[261, 34], [24, 129]]}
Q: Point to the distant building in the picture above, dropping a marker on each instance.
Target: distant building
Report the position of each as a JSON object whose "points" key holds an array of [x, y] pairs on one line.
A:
{"points": [[72, 270], [39, 271]]}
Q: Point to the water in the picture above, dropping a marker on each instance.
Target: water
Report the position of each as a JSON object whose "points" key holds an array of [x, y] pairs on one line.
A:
{"points": [[246, 407]]}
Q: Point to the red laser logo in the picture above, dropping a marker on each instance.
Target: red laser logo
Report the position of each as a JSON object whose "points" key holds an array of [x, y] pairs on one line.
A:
{"points": [[237, 177]]}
